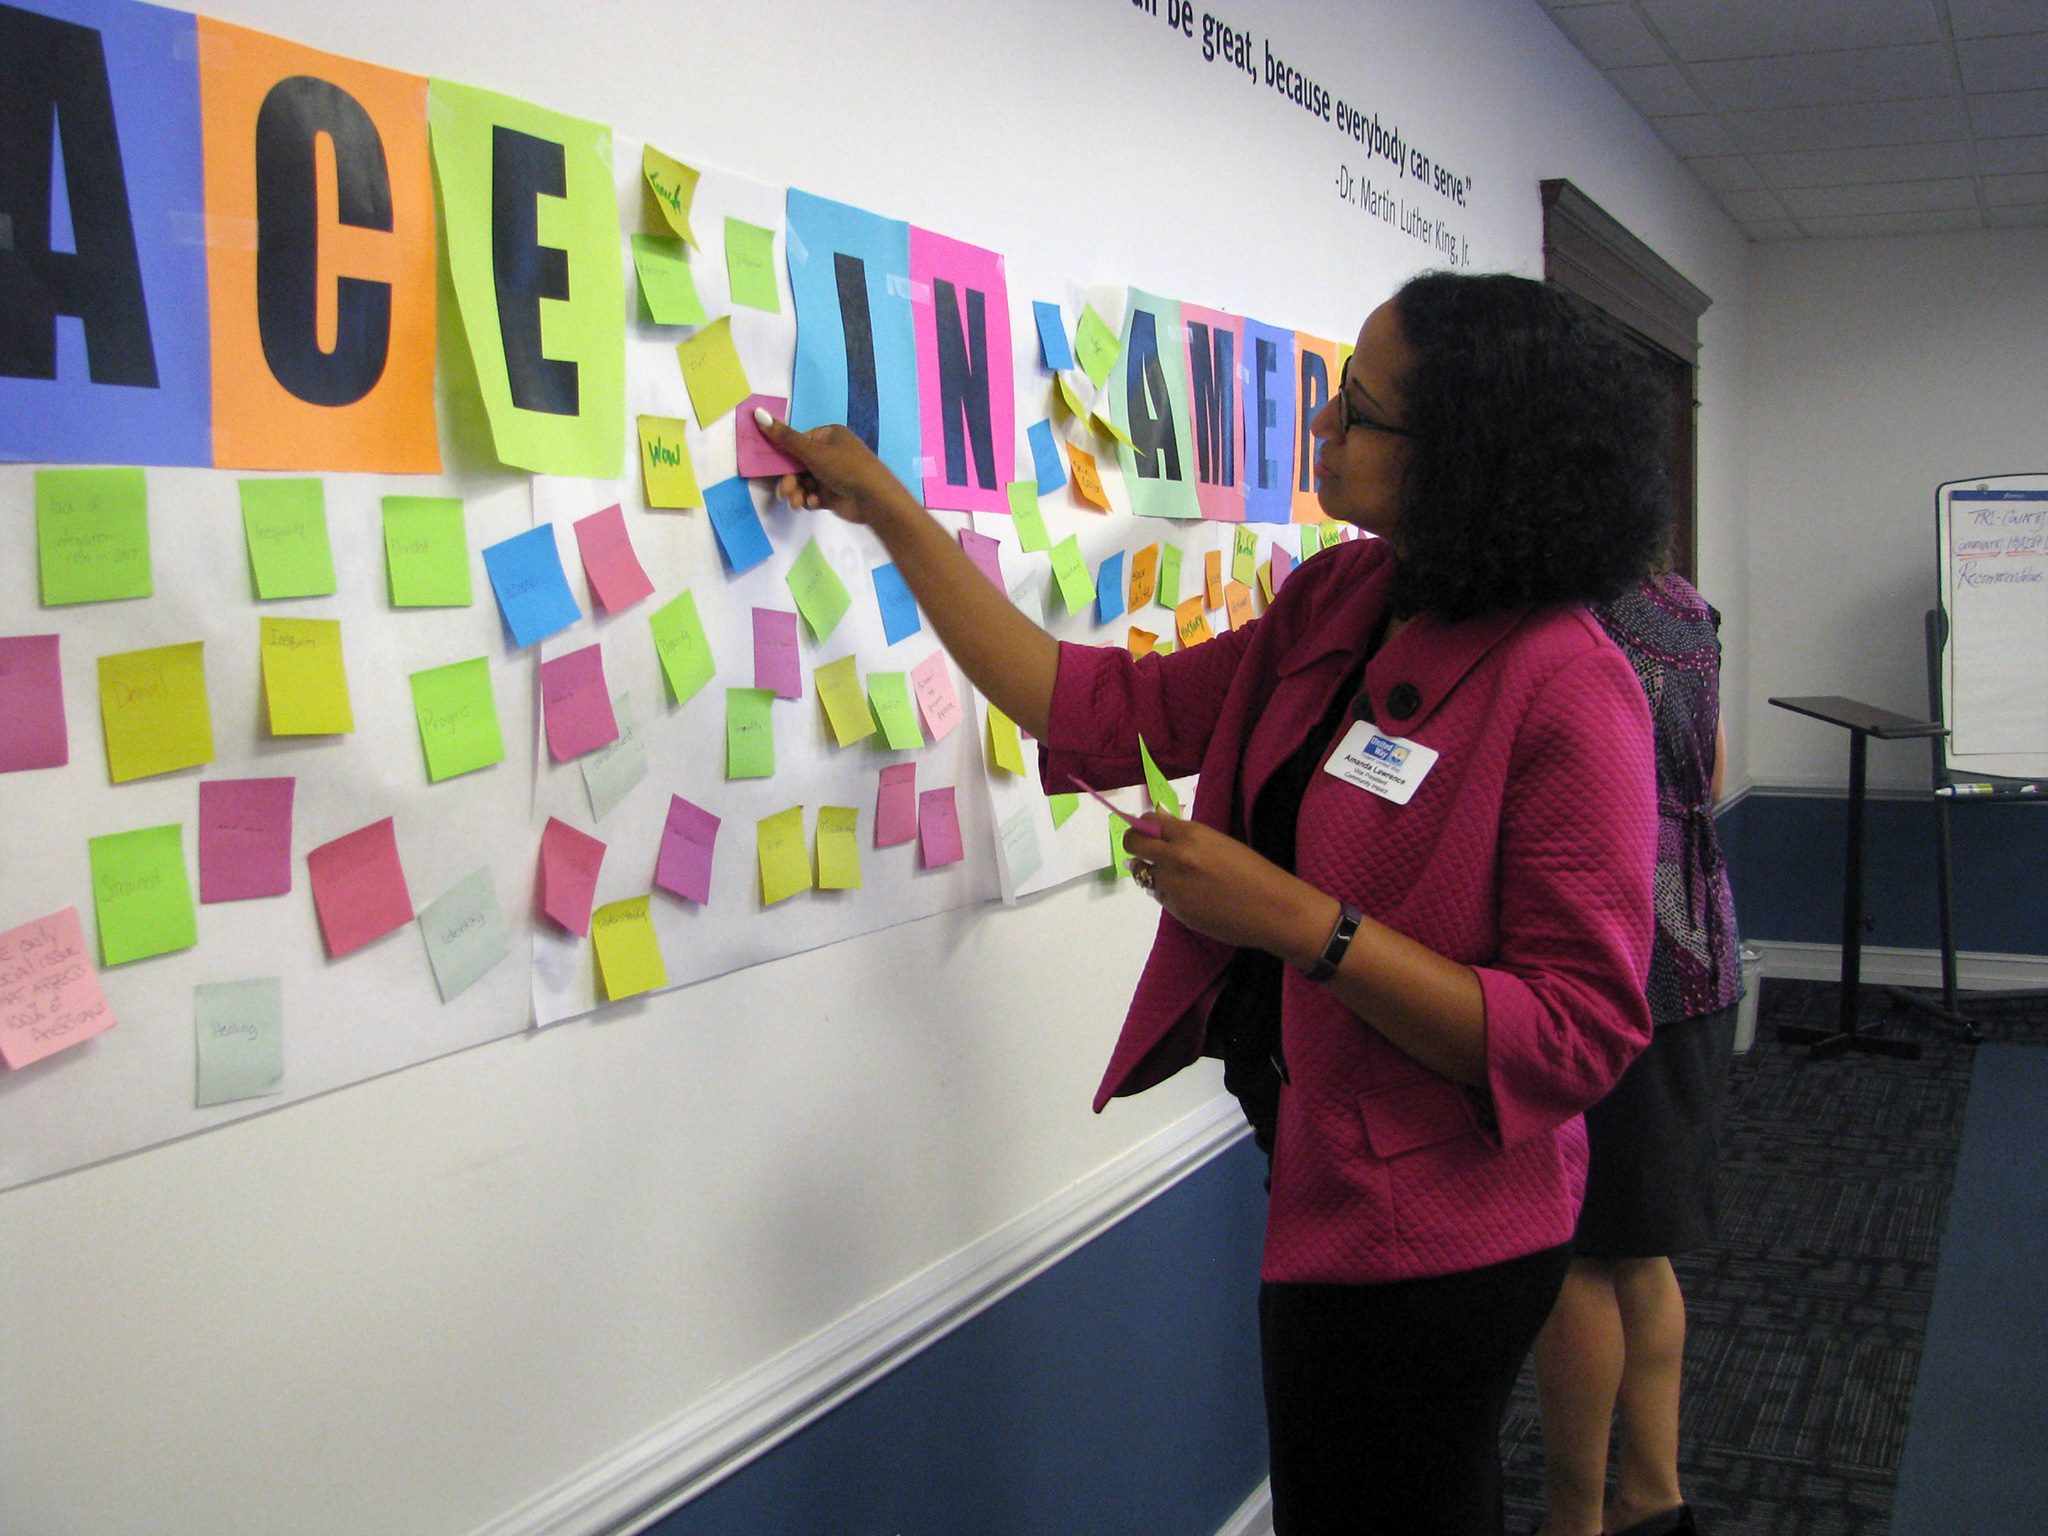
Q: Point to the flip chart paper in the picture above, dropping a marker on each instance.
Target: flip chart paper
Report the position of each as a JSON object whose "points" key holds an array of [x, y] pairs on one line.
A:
{"points": [[896, 805], [465, 933], [738, 526], [569, 864], [238, 1028], [140, 893], [285, 524], [1167, 594], [777, 665], [576, 705], [50, 997], [1212, 579], [838, 848], [1237, 602], [785, 865], [1087, 478], [359, 887], [667, 285], [628, 954], [680, 643], [820, 595], [986, 554], [668, 477], [1109, 589], [305, 685], [1142, 642], [845, 706], [1053, 348], [938, 829], [1045, 458], [712, 371], [1095, 345], [426, 552], [674, 186], [1062, 807], [609, 561], [551, 367], [1157, 785], [1070, 567], [749, 733], [899, 608], [32, 704], [1269, 427], [153, 708], [1245, 556], [750, 265], [1144, 576], [1189, 626], [245, 839], [688, 839], [1029, 520], [1021, 855], [966, 379], [533, 593], [932, 681], [1006, 748], [759, 458], [611, 772], [1282, 566], [92, 535], [889, 697]]}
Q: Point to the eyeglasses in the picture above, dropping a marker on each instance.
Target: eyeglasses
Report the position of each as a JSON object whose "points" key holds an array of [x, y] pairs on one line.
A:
{"points": [[1349, 416]]}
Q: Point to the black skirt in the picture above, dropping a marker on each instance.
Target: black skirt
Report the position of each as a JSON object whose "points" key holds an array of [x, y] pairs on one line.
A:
{"points": [[1655, 1143]]}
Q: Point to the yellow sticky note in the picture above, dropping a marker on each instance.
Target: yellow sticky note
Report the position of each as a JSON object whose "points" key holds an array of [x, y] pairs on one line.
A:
{"points": [[1068, 397], [674, 186], [1212, 579], [1095, 344], [1142, 642], [628, 954], [1144, 576], [1006, 748], [305, 685], [153, 706], [846, 707], [712, 371], [838, 848], [1087, 480], [1189, 625], [1245, 556], [1100, 421], [1237, 602], [1266, 581], [1333, 533], [666, 472], [785, 866]]}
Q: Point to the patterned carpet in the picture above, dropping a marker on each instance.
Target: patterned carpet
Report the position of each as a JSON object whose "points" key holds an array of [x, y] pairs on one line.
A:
{"points": [[1808, 1316]]}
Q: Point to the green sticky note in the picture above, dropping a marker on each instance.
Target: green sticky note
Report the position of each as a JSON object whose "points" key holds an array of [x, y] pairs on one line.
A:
{"points": [[1077, 587], [92, 535], [820, 595], [239, 1029], [141, 894], [750, 734], [889, 698], [1311, 540], [839, 694], [1062, 806], [426, 552], [679, 642], [838, 848], [1095, 344], [712, 371], [667, 286], [1119, 859], [1167, 593], [750, 265], [785, 870], [1157, 784], [285, 523], [1025, 513], [458, 718], [674, 186], [1244, 563]]}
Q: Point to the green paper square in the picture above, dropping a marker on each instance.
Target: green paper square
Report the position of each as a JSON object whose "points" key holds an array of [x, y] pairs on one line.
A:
{"points": [[92, 535], [889, 698], [750, 265], [285, 524], [667, 285], [1029, 519], [1167, 593], [458, 718], [749, 733], [1096, 346], [426, 552], [680, 643], [820, 595], [141, 894]]}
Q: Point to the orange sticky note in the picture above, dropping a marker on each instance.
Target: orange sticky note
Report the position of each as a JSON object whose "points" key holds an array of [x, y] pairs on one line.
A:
{"points": [[1144, 576], [1237, 601], [1143, 642], [1087, 482], [1212, 579], [1189, 625]]}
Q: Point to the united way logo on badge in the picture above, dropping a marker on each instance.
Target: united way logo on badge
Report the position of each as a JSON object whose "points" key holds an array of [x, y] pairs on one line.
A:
{"points": [[1387, 750], [1388, 766]]}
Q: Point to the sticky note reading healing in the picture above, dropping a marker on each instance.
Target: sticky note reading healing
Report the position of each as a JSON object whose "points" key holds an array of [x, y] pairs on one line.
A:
{"points": [[820, 595], [50, 997], [1095, 345], [668, 477], [938, 829], [986, 554], [1045, 459], [899, 608], [533, 593], [749, 733], [1245, 556], [141, 895], [777, 665], [153, 707], [576, 704], [32, 704], [1109, 589], [426, 552], [610, 564], [569, 865], [1029, 520], [759, 458], [1237, 602], [680, 643], [1087, 478], [359, 887], [712, 371], [465, 933], [1167, 593], [1212, 579], [750, 265], [457, 714], [688, 839], [1006, 749], [1053, 347], [667, 286], [305, 686], [1070, 567], [779, 847], [838, 848], [1189, 626], [92, 535], [896, 806], [628, 954], [845, 707], [738, 526], [245, 838], [1062, 808], [285, 524], [932, 681], [611, 772], [674, 186], [889, 698], [1144, 576], [238, 1027], [1156, 783]]}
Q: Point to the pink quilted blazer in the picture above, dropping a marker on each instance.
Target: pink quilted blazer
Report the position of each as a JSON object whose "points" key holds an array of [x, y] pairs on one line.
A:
{"points": [[1526, 853]]}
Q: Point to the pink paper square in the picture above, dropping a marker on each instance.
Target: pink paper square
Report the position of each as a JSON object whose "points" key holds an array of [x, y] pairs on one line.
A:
{"points": [[938, 829], [576, 704], [50, 996], [758, 457], [615, 572], [245, 838], [359, 887], [896, 806], [32, 704], [986, 553], [932, 681], [687, 840], [569, 861], [777, 664], [1283, 566]]}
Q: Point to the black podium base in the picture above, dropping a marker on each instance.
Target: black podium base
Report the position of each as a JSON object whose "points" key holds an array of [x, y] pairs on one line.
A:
{"points": [[1823, 1043]]}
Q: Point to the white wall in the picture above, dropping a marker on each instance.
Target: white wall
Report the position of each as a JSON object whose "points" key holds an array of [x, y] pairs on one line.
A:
{"points": [[414, 1304]]}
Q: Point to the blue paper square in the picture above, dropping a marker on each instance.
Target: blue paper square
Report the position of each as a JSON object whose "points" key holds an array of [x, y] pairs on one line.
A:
{"points": [[899, 608], [1053, 345], [533, 593], [1045, 458], [741, 538], [1109, 589]]}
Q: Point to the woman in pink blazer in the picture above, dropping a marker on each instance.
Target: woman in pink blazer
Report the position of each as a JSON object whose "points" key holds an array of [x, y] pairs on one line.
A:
{"points": [[1411, 904]]}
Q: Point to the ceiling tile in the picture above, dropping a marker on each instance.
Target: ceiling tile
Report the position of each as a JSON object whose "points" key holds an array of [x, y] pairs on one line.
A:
{"points": [[1725, 173], [1692, 136], [2004, 63], [2009, 113], [1657, 90], [1843, 126], [1754, 203], [1771, 229], [2035, 217], [2007, 157], [1894, 223], [2015, 191], [1739, 29], [1886, 197], [1612, 36], [1989, 18], [1820, 79], [1878, 162]]}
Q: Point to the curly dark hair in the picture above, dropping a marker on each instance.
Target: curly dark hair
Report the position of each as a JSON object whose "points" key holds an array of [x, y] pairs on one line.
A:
{"points": [[1537, 470]]}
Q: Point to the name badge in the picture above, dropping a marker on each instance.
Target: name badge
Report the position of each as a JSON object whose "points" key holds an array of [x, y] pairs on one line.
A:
{"points": [[1390, 766]]}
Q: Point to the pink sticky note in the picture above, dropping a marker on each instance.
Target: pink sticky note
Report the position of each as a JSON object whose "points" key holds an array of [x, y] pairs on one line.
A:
{"points": [[687, 839], [50, 995], [758, 457], [984, 552], [359, 887], [569, 861], [938, 829], [1283, 566], [932, 681], [615, 572], [776, 663], [245, 838], [896, 806], [576, 704], [32, 704]]}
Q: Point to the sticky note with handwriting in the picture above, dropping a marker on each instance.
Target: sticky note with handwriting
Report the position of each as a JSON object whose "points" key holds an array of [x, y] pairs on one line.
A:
{"points": [[896, 805], [889, 699], [569, 865], [576, 703], [426, 552], [50, 997], [668, 475], [610, 563], [938, 829], [749, 733], [532, 590], [785, 864], [820, 595], [154, 709], [359, 887], [245, 838], [284, 523], [32, 704], [667, 285], [932, 681], [680, 643], [838, 848], [305, 683], [238, 1029], [712, 371], [92, 535], [846, 708], [458, 718], [689, 837], [465, 933], [628, 953], [141, 895]]}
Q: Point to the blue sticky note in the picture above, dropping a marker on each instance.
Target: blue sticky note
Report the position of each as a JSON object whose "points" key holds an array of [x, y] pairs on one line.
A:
{"points": [[1109, 589], [1045, 456], [738, 526], [1052, 335], [533, 593], [899, 608]]}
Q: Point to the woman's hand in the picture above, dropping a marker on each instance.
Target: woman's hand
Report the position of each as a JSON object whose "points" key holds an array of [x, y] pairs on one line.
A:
{"points": [[841, 473], [1221, 887]]}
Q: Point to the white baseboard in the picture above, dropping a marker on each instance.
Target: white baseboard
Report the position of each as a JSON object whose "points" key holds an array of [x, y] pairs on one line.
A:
{"points": [[1887, 966], [664, 1469], [1254, 1517]]}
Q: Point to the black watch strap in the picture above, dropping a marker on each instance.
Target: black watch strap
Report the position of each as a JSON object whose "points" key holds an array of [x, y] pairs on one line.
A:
{"points": [[1340, 940]]}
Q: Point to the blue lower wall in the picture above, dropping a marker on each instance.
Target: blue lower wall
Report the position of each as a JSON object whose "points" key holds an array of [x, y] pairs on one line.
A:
{"points": [[1116, 1393]]}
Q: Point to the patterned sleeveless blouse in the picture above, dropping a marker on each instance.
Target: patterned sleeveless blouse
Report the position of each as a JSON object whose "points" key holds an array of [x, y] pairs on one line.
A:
{"points": [[1670, 635]]}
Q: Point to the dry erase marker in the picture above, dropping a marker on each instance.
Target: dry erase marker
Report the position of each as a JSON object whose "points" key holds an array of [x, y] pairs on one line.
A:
{"points": [[1964, 789], [1144, 825]]}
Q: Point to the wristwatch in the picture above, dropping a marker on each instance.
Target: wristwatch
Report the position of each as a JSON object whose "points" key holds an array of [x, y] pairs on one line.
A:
{"points": [[1333, 949]]}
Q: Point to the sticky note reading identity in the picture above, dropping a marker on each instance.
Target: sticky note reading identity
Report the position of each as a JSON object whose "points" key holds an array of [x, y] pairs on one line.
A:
{"points": [[938, 829], [245, 838], [359, 887], [92, 535], [1005, 747], [899, 608], [1045, 459], [1189, 625], [668, 477], [688, 839], [569, 865], [1053, 347], [576, 704], [820, 595], [778, 666], [1245, 556], [667, 286], [932, 681], [50, 997], [680, 643], [1070, 567], [1109, 589], [609, 561], [305, 685], [738, 526], [285, 524], [1096, 346], [1167, 593], [154, 709], [465, 933], [426, 552], [140, 893], [458, 718], [532, 590], [838, 848], [846, 709], [238, 1028], [32, 704], [749, 733], [1087, 478], [1156, 783], [889, 698], [896, 806], [712, 371], [779, 846], [628, 954], [674, 186]]}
